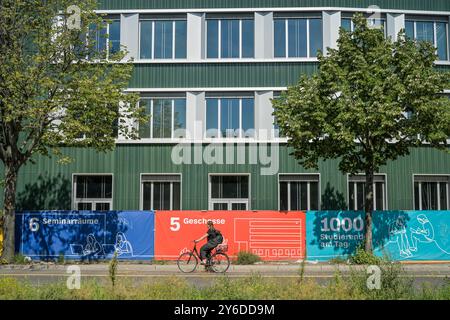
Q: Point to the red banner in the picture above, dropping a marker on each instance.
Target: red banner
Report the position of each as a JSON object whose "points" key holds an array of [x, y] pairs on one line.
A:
{"points": [[272, 235]]}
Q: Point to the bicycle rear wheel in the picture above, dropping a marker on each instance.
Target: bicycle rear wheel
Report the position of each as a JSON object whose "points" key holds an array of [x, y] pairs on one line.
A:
{"points": [[187, 262], [220, 262]]}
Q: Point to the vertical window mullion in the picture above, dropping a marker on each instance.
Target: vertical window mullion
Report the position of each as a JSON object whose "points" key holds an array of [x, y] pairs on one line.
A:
{"points": [[240, 118], [151, 118], [439, 196], [308, 46], [152, 54], [240, 38], [435, 37], [374, 197], [171, 196], [219, 34], [173, 39], [172, 119], [289, 196], [415, 30], [151, 196], [219, 116], [420, 195], [308, 194], [355, 201]]}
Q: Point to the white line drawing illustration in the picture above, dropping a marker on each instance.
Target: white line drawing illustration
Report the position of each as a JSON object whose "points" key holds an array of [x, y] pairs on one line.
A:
{"points": [[93, 247], [123, 246], [424, 233], [269, 237], [397, 233]]}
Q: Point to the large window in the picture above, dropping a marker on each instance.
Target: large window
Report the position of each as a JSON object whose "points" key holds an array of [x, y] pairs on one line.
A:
{"points": [[229, 117], [230, 38], [106, 36], [162, 39], [167, 118], [161, 192], [92, 192], [349, 26], [229, 192], [356, 192], [432, 31], [297, 37], [431, 192], [298, 192]]}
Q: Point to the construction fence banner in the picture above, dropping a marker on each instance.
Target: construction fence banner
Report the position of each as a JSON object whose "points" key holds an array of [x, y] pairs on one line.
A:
{"points": [[86, 235], [399, 235], [272, 235]]}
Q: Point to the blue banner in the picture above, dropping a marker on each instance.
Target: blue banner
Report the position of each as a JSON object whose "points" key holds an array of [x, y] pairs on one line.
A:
{"points": [[399, 235], [415, 235], [84, 235]]}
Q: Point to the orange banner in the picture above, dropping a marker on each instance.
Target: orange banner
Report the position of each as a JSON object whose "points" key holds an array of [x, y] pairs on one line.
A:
{"points": [[272, 235]]}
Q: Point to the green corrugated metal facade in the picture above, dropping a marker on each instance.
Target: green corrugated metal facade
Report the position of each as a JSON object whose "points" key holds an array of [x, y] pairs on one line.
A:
{"points": [[48, 185], [433, 5]]}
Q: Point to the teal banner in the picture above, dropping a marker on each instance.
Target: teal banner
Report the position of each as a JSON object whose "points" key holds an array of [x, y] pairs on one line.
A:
{"points": [[400, 235]]}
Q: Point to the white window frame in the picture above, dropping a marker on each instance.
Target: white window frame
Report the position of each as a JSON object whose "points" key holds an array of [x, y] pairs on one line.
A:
{"points": [[172, 123], [352, 25], [319, 194], [174, 34], [93, 201], [385, 191], [438, 189], [219, 119], [212, 201], [219, 39], [435, 22], [141, 193]]}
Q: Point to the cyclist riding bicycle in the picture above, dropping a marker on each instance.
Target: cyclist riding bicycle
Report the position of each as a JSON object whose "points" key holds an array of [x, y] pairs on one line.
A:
{"points": [[214, 238]]}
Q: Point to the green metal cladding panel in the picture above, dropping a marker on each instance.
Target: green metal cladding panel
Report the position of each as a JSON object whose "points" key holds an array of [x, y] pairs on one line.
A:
{"points": [[202, 75], [48, 185], [434, 5]]}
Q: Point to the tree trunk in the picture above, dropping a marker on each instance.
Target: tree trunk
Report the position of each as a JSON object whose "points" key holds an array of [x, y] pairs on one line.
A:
{"points": [[9, 219], [368, 210]]}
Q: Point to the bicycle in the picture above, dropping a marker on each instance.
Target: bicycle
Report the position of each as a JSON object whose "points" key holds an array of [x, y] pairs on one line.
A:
{"points": [[218, 261]]}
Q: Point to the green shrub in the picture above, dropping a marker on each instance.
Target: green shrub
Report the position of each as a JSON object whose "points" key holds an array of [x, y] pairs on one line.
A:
{"points": [[21, 259], [61, 259], [113, 269], [245, 257]]}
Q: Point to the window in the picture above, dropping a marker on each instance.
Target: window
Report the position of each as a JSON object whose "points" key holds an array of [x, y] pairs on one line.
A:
{"points": [[167, 118], [432, 31], [431, 192], [230, 117], [356, 192], [276, 128], [230, 38], [298, 192], [163, 39], [161, 192], [92, 192], [348, 25], [229, 192], [107, 36], [297, 37]]}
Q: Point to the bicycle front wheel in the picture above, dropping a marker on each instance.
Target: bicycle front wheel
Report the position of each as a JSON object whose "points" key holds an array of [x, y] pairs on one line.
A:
{"points": [[187, 262], [220, 263]]}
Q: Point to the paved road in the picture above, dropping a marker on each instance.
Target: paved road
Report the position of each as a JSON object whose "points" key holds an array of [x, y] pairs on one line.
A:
{"points": [[435, 274]]}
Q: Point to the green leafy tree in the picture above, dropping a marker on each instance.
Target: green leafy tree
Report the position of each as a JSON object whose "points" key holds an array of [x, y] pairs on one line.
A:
{"points": [[370, 102], [60, 85]]}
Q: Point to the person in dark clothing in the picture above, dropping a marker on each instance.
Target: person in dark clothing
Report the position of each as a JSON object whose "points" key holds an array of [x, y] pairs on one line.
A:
{"points": [[214, 238]]}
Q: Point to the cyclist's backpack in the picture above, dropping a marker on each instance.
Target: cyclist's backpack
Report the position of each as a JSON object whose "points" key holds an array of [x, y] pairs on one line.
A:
{"points": [[219, 237]]}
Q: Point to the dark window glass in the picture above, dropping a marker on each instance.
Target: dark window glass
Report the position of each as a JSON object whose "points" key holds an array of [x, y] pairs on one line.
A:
{"points": [[176, 196], [84, 206], [346, 24], [314, 195], [162, 118], [163, 39], [180, 39], [238, 206], [297, 39], [425, 31], [213, 38], [229, 187], [94, 187], [280, 38], [147, 196], [114, 36], [229, 113], [351, 196], [248, 38], [146, 40], [284, 196], [212, 118], [144, 129], [248, 117], [161, 196], [230, 38], [179, 118], [429, 196], [409, 29], [299, 196], [220, 206], [441, 34], [315, 36], [360, 196], [379, 196], [416, 196], [102, 206]]}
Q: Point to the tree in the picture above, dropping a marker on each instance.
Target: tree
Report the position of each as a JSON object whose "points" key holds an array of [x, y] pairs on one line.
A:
{"points": [[370, 102], [60, 85]]}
